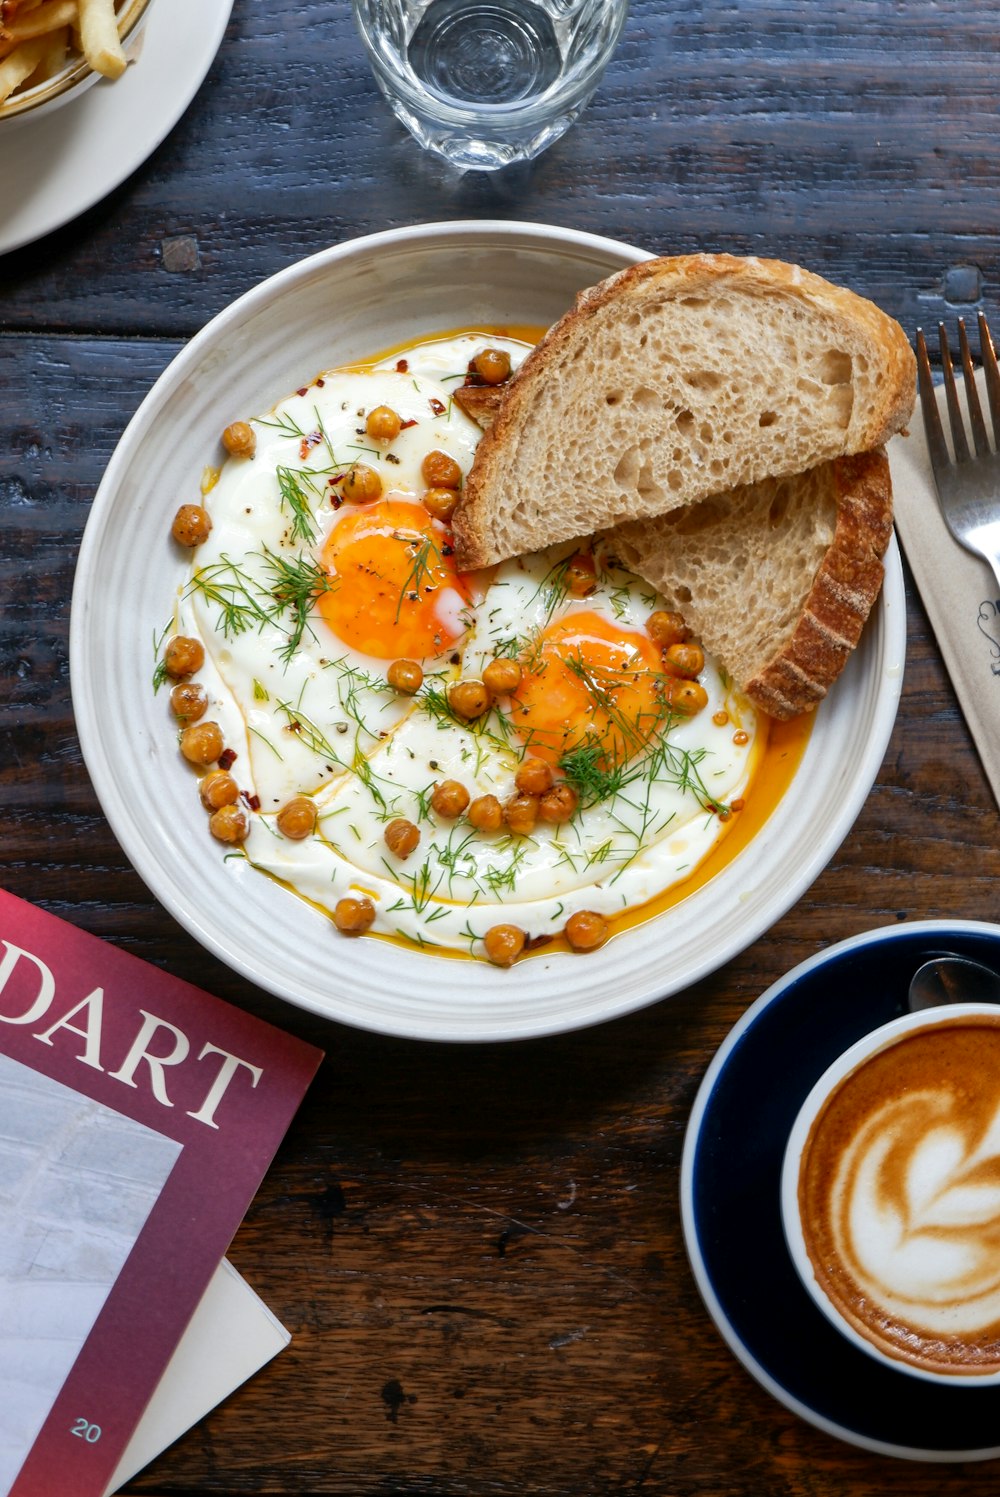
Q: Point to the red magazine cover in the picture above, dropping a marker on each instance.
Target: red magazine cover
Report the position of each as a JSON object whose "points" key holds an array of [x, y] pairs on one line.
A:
{"points": [[138, 1116]]}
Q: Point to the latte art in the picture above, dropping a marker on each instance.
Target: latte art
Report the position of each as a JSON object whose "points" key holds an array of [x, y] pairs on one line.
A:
{"points": [[899, 1197]]}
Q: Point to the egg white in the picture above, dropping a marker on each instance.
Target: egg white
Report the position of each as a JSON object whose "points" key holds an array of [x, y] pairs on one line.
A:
{"points": [[319, 718]]}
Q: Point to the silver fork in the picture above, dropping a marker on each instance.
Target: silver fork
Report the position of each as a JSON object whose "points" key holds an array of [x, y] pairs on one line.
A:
{"points": [[968, 487]]}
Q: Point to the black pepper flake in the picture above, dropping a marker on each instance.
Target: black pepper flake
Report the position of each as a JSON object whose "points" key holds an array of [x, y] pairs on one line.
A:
{"points": [[447, 550], [456, 658], [433, 764], [391, 457]]}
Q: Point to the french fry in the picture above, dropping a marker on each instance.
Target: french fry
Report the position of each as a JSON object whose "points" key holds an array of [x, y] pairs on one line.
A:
{"points": [[54, 56], [44, 18], [99, 38], [18, 65]]}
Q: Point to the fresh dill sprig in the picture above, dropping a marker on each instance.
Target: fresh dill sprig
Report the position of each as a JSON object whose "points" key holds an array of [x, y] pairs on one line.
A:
{"points": [[296, 583], [237, 597], [160, 665], [593, 779], [283, 423], [311, 735], [425, 556], [293, 494]]}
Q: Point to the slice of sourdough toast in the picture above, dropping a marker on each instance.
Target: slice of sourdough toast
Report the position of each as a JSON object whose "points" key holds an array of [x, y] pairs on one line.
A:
{"points": [[776, 579], [671, 381]]}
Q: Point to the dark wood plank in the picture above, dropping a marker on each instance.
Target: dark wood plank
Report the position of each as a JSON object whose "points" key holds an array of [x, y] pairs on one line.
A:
{"points": [[854, 138]]}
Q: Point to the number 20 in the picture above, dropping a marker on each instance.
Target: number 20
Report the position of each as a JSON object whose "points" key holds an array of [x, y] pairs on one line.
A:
{"points": [[84, 1430]]}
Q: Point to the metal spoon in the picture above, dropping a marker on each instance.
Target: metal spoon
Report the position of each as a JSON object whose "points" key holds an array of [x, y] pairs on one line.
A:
{"points": [[953, 979]]}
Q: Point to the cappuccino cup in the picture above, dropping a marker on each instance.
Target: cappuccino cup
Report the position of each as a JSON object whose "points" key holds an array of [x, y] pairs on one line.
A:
{"points": [[890, 1194]]}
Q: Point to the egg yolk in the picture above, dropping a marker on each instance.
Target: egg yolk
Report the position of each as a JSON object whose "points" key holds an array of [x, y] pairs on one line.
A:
{"points": [[395, 591], [589, 683]]}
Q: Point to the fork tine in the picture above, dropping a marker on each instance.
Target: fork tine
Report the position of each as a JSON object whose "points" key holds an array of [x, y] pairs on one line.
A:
{"points": [[979, 437], [958, 437], [989, 359], [936, 445]]}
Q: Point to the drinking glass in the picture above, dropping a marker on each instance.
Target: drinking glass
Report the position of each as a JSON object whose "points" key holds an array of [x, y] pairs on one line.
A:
{"points": [[485, 83]]}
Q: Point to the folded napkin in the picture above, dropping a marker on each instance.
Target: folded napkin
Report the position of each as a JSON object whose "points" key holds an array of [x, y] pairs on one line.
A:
{"points": [[958, 590]]}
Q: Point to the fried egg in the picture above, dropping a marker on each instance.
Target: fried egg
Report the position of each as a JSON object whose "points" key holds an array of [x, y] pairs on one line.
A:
{"points": [[303, 599]]}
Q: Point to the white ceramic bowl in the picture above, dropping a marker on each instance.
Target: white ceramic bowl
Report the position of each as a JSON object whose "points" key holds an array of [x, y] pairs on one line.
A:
{"points": [[77, 75], [344, 304]]}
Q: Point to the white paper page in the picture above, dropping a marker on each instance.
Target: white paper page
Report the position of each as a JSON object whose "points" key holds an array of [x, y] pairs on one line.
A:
{"points": [[231, 1336]]}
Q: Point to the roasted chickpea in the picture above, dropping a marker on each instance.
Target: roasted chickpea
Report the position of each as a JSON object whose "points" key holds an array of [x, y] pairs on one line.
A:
{"points": [[188, 701], [218, 789], [202, 743], [666, 628], [685, 660], [492, 365], [405, 676], [353, 916], [297, 818], [534, 777], [240, 439], [486, 814], [468, 699], [581, 575], [504, 944], [558, 804], [586, 930], [520, 814], [449, 798], [229, 823], [192, 525], [183, 656], [690, 697], [383, 424], [361, 484], [502, 676], [401, 837], [440, 503], [441, 471]]}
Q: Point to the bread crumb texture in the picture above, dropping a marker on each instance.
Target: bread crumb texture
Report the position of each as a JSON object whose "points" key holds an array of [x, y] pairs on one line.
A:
{"points": [[678, 379], [776, 579]]}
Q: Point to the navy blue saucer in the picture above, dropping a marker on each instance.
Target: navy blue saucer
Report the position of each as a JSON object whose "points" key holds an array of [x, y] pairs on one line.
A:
{"points": [[730, 1197]]}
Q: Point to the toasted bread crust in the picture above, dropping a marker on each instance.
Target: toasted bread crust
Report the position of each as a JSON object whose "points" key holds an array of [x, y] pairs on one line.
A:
{"points": [[480, 402], [842, 595], [482, 532], [804, 656]]}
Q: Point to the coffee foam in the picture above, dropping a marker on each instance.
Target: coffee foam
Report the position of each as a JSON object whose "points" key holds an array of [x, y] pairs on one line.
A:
{"points": [[899, 1197]]}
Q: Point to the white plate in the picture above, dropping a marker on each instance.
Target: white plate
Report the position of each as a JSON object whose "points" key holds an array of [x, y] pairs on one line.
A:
{"points": [[56, 165], [344, 304]]}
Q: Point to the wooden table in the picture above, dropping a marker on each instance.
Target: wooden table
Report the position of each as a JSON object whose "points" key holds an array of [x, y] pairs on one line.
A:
{"points": [[478, 1250]]}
